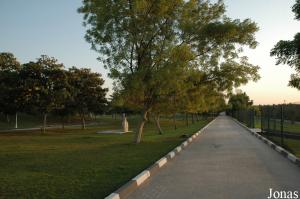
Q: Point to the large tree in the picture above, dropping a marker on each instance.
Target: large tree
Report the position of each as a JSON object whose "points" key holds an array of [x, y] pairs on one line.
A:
{"points": [[87, 92], [44, 85], [139, 39], [288, 52], [10, 98]]}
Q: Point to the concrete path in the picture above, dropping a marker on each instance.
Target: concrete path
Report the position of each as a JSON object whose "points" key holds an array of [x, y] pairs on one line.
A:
{"points": [[224, 162]]}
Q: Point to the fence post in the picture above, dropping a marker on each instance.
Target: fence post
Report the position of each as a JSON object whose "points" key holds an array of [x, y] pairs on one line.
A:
{"points": [[261, 118], [253, 118], [274, 118], [248, 118], [269, 119], [281, 125]]}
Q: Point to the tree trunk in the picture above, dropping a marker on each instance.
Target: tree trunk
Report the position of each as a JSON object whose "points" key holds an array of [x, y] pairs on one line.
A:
{"points": [[7, 118], [82, 122], [16, 121], [139, 133], [187, 119], [44, 122], [193, 118], [156, 118], [63, 122], [149, 118], [197, 117], [174, 121]]}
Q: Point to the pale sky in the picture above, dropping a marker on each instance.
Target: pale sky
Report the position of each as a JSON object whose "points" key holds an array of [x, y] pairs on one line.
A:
{"points": [[276, 22], [53, 27]]}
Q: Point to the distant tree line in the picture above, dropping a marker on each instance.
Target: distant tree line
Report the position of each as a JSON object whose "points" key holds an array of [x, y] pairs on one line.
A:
{"points": [[45, 86]]}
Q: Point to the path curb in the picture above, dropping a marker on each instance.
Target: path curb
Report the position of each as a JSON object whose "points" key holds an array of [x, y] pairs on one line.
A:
{"points": [[137, 181], [274, 146]]}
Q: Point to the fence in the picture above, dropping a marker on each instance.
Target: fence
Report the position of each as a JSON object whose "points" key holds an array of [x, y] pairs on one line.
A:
{"points": [[280, 123], [244, 116]]}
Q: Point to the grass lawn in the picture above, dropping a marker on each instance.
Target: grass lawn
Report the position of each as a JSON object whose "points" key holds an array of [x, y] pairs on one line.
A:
{"points": [[80, 164], [291, 145], [287, 126]]}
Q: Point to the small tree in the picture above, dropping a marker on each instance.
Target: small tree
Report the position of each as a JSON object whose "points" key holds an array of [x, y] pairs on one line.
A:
{"points": [[87, 92]]}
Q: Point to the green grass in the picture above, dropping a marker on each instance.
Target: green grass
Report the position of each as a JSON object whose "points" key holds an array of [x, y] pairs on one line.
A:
{"points": [[291, 145], [80, 164], [287, 126]]}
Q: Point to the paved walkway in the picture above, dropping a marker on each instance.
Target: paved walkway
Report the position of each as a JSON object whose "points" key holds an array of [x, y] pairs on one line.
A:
{"points": [[224, 162]]}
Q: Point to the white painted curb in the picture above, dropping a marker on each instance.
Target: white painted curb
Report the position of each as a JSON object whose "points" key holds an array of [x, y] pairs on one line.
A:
{"points": [[178, 149], [162, 162], [172, 154], [142, 177], [113, 196], [277, 148]]}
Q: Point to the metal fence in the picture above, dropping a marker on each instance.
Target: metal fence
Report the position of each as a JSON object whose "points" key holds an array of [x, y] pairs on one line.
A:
{"points": [[280, 123], [246, 117]]}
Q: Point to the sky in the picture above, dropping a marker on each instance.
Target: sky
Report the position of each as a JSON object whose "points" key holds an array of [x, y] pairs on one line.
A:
{"points": [[31, 28]]}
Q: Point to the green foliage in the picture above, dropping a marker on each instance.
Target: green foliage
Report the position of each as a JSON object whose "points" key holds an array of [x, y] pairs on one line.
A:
{"points": [[44, 84], [10, 101], [288, 52], [86, 91], [158, 51], [239, 101], [8, 62], [296, 9]]}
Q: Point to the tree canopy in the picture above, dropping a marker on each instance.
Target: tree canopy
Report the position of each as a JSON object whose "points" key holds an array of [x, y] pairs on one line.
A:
{"points": [[44, 86], [288, 52], [88, 94], [239, 101], [150, 45], [10, 98]]}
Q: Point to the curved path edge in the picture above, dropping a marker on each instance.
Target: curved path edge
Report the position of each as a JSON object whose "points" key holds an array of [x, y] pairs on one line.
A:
{"points": [[274, 146], [138, 180]]}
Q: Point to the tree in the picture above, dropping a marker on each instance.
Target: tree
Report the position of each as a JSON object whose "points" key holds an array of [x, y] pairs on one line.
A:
{"points": [[139, 39], [288, 52], [239, 101], [44, 85], [86, 91], [10, 102]]}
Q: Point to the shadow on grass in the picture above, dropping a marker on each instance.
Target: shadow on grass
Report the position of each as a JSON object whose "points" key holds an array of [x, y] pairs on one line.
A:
{"points": [[79, 164]]}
